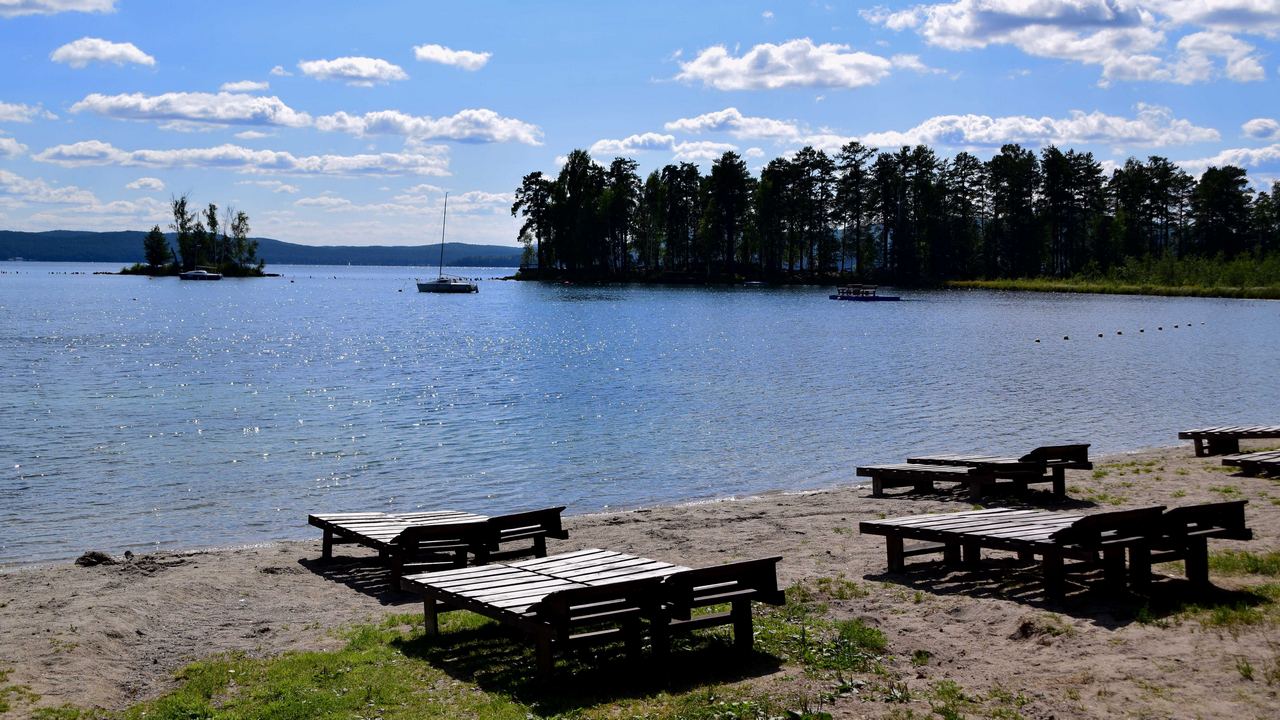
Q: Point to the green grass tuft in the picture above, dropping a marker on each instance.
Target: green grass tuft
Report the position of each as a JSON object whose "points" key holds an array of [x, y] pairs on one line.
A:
{"points": [[1242, 562]]}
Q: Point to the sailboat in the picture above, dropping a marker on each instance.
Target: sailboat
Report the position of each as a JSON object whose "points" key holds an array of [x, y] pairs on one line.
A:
{"points": [[444, 283]]}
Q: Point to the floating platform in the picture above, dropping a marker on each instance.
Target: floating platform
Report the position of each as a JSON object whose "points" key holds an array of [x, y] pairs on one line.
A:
{"points": [[861, 293]]}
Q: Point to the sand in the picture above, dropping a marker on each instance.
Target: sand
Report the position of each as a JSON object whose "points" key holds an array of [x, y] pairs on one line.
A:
{"points": [[111, 635]]}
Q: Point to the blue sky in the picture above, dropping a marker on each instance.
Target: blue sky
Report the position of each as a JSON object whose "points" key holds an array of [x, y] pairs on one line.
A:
{"points": [[344, 123]]}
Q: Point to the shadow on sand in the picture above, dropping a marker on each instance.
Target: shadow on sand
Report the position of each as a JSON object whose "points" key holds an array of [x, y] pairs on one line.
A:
{"points": [[499, 661]]}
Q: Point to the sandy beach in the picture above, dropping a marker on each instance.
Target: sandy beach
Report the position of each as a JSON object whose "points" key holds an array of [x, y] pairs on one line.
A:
{"points": [[112, 635]]}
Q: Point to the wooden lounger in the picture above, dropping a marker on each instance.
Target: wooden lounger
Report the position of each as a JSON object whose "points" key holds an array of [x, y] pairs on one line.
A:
{"points": [[1054, 537], [1257, 463], [1048, 463], [445, 536], [1184, 535], [921, 477], [593, 596], [1225, 439]]}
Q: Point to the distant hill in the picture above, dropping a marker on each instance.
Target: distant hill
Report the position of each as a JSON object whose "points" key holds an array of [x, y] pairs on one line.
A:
{"points": [[126, 247]]}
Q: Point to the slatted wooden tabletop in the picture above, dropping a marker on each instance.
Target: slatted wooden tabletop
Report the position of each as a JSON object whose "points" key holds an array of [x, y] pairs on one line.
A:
{"points": [[382, 528], [1032, 526], [1243, 431], [919, 468], [514, 588], [963, 459], [1266, 456]]}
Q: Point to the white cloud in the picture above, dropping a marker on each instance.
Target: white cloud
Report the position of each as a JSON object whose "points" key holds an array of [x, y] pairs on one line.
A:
{"points": [[11, 148], [472, 125], [1240, 157], [279, 71], [426, 161], [1262, 129], [732, 121], [465, 59], [38, 191], [15, 8], [633, 144], [17, 112], [359, 71], [274, 186], [692, 151], [767, 14], [1153, 126], [1126, 39], [81, 52], [701, 150], [220, 109], [245, 86], [252, 135], [146, 183], [1248, 16], [795, 63]]}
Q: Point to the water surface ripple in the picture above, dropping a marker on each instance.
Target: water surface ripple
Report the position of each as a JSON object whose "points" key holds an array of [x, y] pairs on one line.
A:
{"points": [[141, 413]]}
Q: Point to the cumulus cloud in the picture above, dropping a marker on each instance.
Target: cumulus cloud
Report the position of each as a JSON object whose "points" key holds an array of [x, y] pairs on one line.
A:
{"points": [[465, 59], [22, 189], [10, 148], [245, 86], [692, 151], [472, 125], [1246, 16], [81, 52], [146, 183], [700, 150], [1262, 129], [1240, 157], [207, 108], [252, 135], [17, 112], [274, 186], [1153, 126], [795, 63], [15, 8], [633, 144], [1126, 39], [358, 71], [425, 161], [732, 121], [279, 71]]}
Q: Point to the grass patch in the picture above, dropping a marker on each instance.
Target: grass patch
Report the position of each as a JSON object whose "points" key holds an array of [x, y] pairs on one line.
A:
{"points": [[10, 694], [1099, 473], [1226, 490], [1242, 562]]}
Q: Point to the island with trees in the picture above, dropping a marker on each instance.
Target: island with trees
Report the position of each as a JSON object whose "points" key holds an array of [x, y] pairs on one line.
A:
{"points": [[200, 241], [1053, 220]]}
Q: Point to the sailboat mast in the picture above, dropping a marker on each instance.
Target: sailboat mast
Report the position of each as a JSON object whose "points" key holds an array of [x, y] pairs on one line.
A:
{"points": [[443, 221]]}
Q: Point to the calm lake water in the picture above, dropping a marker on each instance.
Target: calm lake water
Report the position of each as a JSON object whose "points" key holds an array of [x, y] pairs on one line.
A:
{"points": [[139, 413]]}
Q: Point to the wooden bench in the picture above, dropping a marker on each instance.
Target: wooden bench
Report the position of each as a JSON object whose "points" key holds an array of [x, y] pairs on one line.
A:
{"points": [[441, 536], [1184, 535], [1257, 463], [1225, 439], [593, 596], [1047, 463], [921, 477], [1054, 537]]}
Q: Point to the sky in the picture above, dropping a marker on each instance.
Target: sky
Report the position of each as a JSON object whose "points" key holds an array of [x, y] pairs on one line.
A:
{"points": [[340, 123]]}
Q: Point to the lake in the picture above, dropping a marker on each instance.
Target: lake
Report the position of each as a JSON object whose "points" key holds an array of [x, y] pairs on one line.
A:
{"points": [[146, 413]]}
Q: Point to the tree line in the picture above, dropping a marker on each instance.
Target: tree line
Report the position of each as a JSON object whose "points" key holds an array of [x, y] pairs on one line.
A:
{"points": [[201, 240], [904, 217]]}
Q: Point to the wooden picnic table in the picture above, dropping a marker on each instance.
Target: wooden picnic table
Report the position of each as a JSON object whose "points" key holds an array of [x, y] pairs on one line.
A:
{"points": [[1255, 463], [594, 595], [1054, 537], [1225, 439]]}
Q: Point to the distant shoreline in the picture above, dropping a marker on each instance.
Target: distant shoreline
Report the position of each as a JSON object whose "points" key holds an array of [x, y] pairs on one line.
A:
{"points": [[1111, 288]]}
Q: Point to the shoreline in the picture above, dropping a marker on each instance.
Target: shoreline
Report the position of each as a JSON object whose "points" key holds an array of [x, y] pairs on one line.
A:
{"points": [[178, 550], [110, 636]]}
